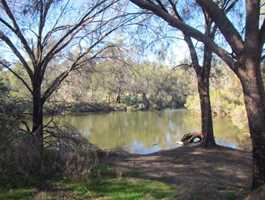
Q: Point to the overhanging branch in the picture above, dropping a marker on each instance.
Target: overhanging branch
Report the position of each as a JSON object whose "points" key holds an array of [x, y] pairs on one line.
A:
{"points": [[224, 24], [187, 30]]}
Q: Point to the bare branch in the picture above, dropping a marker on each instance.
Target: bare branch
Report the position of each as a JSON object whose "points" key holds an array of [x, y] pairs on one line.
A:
{"points": [[187, 30], [262, 34], [161, 5], [6, 65], [26, 126], [193, 54], [224, 24], [18, 32], [98, 40], [54, 85], [17, 53], [84, 19], [7, 25], [182, 65], [188, 40], [174, 8], [44, 8]]}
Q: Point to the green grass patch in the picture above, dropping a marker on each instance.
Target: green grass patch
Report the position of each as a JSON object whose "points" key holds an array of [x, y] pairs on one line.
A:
{"points": [[122, 189], [231, 196], [17, 194], [103, 184], [106, 188]]}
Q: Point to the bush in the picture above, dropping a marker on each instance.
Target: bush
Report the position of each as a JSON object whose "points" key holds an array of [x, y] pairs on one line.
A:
{"points": [[66, 154], [17, 155], [73, 155]]}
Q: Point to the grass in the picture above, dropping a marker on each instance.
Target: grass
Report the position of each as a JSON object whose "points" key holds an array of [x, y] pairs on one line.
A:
{"points": [[111, 188], [17, 194], [106, 186], [123, 189]]}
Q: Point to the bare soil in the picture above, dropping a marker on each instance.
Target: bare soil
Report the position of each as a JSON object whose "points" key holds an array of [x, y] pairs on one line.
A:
{"points": [[198, 174]]}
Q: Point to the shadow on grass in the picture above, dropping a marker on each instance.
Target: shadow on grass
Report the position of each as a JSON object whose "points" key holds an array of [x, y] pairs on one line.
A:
{"points": [[107, 186]]}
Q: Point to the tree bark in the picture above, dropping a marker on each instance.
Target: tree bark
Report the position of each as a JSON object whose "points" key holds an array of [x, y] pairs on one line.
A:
{"points": [[206, 112], [37, 122], [254, 98], [203, 75], [37, 131]]}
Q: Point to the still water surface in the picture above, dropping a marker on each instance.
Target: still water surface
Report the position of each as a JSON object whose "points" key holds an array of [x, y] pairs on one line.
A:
{"points": [[147, 132]]}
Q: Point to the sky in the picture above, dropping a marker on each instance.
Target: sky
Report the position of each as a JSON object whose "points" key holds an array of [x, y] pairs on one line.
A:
{"points": [[148, 45]]}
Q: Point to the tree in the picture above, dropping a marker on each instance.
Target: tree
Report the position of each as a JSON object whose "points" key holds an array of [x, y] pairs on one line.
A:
{"points": [[202, 67], [37, 34], [202, 74], [203, 71], [244, 61]]}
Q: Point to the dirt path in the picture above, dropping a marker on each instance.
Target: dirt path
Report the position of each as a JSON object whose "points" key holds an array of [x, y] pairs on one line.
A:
{"points": [[197, 173]]}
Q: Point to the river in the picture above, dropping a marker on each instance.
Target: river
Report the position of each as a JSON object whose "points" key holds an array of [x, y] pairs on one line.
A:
{"points": [[151, 131]]}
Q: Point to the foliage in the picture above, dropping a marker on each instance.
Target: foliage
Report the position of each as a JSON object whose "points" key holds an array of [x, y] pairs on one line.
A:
{"points": [[163, 86]]}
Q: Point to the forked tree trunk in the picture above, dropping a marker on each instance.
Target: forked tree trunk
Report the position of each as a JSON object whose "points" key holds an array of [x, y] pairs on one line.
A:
{"points": [[203, 77], [206, 111], [253, 90]]}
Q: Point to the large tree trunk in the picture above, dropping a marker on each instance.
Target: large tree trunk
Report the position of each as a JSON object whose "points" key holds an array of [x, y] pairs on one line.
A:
{"points": [[206, 112], [37, 118], [253, 89], [37, 130], [203, 76]]}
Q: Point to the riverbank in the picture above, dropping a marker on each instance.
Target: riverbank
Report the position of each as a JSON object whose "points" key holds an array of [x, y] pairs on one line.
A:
{"points": [[63, 108], [185, 173], [99, 107]]}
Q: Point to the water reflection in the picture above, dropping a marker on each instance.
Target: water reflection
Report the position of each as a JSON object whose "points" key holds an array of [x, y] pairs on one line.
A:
{"points": [[147, 132]]}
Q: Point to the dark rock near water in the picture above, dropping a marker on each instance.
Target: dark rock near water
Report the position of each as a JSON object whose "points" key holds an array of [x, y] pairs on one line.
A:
{"points": [[191, 138]]}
